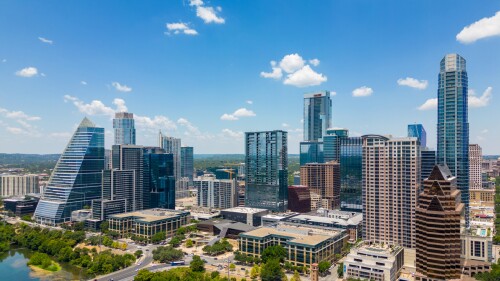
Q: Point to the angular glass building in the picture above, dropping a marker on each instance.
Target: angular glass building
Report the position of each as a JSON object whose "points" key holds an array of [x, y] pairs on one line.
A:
{"points": [[173, 146], [187, 162], [266, 169], [159, 180], [453, 124], [317, 115], [418, 131], [124, 126], [76, 180]]}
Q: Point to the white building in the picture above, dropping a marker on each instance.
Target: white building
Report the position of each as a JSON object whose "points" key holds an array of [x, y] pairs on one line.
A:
{"points": [[214, 193], [475, 166], [13, 185], [376, 262]]}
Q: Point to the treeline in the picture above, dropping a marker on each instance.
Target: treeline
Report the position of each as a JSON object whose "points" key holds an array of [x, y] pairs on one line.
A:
{"points": [[219, 247], [60, 246]]}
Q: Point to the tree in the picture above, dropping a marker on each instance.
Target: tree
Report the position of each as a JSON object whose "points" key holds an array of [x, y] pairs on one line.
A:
{"points": [[167, 254], [158, 237], [26, 218], [274, 252], [271, 271], [197, 265], [296, 276], [189, 243], [138, 253], [323, 266], [254, 273], [340, 270], [104, 227], [232, 267]]}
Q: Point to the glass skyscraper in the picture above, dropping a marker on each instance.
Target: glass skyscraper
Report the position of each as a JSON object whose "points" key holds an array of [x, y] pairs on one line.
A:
{"points": [[173, 145], [266, 169], [159, 178], [187, 168], [418, 131], [317, 115], [76, 180], [453, 125], [311, 152], [124, 126]]}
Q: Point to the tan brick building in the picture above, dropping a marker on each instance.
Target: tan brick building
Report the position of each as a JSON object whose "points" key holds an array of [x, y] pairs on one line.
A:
{"points": [[323, 179]]}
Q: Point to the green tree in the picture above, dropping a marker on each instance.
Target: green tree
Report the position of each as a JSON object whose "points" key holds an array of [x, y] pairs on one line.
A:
{"points": [[197, 265], [274, 252], [271, 271], [158, 237], [323, 266], [167, 254], [138, 253], [296, 276], [189, 243], [340, 270], [232, 267], [104, 227], [255, 272]]}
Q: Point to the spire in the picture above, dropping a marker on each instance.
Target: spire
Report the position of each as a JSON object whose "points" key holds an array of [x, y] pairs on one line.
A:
{"points": [[86, 123]]}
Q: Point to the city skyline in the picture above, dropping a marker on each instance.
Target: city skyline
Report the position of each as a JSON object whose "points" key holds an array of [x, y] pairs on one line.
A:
{"points": [[209, 77]]}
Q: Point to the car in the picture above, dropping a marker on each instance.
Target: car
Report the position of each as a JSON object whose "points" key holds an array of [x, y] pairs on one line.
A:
{"points": [[242, 268], [215, 258], [147, 249]]}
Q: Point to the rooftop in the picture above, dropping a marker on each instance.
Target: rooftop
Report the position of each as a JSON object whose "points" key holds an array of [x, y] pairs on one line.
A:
{"points": [[328, 220], [246, 210], [150, 215]]}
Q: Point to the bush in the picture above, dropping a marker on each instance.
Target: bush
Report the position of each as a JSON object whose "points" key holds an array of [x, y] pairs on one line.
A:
{"points": [[197, 265], [167, 254]]}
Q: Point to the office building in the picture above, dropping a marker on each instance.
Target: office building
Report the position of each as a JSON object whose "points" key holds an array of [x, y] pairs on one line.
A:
{"points": [[250, 216], [299, 199], [215, 193], [304, 245], [428, 161], [475, 166], [316, 201], [275, 218], [21, 206], [453, 124], [418, 131], [130, 158], [159, 181], [77, 177], [323, 179], [438, 218], [14, 185], [377, 262], [124, 127], [173, 146], [311, 152], [187, 162], [266, 164], [348, 151], [317, 115], [482, 198], [391, 181]]}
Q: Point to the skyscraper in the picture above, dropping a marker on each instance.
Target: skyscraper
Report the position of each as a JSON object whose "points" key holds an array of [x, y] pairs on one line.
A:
{"points": [[173, 145], [323, 179], [215, 193], [266, 170], [127, 157], [475, 164], [76, 180], [427, 155], [453, 125], [187, 169], [159, 180], [391, 180], [418, 131], [124, 126], [317, 115], [438, 227]]}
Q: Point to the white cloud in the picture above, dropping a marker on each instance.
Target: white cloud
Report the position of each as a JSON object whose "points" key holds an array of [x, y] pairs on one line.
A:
{"points": [[232, 134], [208, 14], [180, 27], [15, 131], [314, 62], [95, 107], [483, 100], [18, 115], [362, 92], [285, 125], [27, 72], [154, 123], [189, 126], [305, 77], [333, 93], [195, 3], [292, 63], [121, 88], [249, 102], [22, 119], [45, 40], [483, 28], [83, 82], [241, 112], [275, 74], [413, 83], [429, 104], [120, 105]]}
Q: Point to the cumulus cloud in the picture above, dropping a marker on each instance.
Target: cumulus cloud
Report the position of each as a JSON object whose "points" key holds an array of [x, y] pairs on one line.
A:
{"points": [[483, 28], [429, 104], [195, 3], [95, 107], [305, 77], [209, 15], [292, 63], [180, 28], [314, 62], [45, 40], [232, 134], [483, 100], [22, 119], [275, 74], [413, 83], [299, 73], [27, 72], [241, 112], [18, 115], [121, 88], [362, 92], [191, 129], [285, 125]]}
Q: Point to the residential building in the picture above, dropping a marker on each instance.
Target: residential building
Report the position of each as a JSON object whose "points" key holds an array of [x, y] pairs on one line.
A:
{"points": [[173, 145], [304, 245], [124, 127], [130, 160], [266, 164], [377, 262], [323, 179], [418, 131], [299, 199], [317, 115], [453, 124], [477, 245], [187, 162], [391, 181], [77, 177], [214, 193], [316, 201], [475, 167], [250, 216], [15, 185], [438, 217]]}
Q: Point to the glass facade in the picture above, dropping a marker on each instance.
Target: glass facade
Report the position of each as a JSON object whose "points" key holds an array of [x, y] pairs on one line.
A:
{"points": [[187, 168], [173, 146], [266, 164], [76, 180], [311, 152], [418, 131], [317, 115], [159, 178], [124, 126], [453, 126]]}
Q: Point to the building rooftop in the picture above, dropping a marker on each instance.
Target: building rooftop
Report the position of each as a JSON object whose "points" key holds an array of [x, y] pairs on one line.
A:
{"points": [[329, 220], [150, 215], [378, 249], [245, 210]]}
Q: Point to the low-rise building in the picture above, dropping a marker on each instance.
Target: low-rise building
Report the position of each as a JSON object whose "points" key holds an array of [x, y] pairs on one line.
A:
{"points": [[378, 262], [146, 223], [224, 228], [81, 215], [250, 216], [21, 206], [477, 245], [203, 213], [304, 245], [482, 197], [299, 199], [272, 219]]}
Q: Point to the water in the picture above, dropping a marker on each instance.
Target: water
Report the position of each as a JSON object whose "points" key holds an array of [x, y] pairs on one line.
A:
{"points": [[13, 266]]}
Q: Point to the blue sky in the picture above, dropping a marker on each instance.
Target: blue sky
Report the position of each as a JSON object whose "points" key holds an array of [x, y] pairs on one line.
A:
{"points": [[202, 70]]}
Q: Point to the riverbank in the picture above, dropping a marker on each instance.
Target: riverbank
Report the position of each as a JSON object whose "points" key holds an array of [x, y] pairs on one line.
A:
{"points": [[53, 267]]}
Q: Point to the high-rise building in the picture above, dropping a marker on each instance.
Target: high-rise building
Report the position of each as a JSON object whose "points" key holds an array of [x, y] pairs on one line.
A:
{"points": [[124, 126], [130, 157], [215, 193], [323, 179], [453, 124], [159, 181], [77, 178], [266, 170], [391, 181], [317, 115], [13, 185], [173, 145], [438, 218], [475, 163], [348, 151], [299, 199], [311, 152], [187, 168], [418, 131]]}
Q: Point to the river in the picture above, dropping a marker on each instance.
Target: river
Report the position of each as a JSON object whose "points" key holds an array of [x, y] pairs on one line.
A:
{"points": [[13, 266]]}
